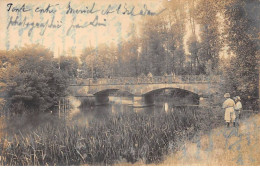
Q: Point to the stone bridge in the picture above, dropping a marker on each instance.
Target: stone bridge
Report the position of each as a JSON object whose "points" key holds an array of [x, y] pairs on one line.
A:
{"points": [[143, 88]]}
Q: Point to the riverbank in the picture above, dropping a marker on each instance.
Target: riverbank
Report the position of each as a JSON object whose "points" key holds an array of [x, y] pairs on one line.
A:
{"points": [[222, 146]]}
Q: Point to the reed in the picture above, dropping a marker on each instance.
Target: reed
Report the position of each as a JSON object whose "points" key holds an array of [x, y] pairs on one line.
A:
{"points": [[129, 137]]}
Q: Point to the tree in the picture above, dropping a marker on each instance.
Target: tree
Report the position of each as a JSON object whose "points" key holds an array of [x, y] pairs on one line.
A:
{"points": [[206, 15], [194, 47], [242, 31], [153, 50], [174, 26], [70, 65], [87, 62], [38, 83]]}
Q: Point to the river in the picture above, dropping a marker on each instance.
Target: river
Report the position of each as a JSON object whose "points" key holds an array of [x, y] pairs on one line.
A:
{"points": [[83, 114], [120, 105]]}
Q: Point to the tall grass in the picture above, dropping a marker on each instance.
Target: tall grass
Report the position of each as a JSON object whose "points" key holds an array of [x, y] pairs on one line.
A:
{"points": [[127, 137]]}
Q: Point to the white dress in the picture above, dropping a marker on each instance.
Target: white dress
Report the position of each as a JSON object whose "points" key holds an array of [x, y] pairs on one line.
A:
{"points": [[229, 105], [238, 106]]}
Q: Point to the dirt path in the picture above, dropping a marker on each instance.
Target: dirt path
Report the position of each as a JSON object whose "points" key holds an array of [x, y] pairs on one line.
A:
{"points": [[222, 146]]}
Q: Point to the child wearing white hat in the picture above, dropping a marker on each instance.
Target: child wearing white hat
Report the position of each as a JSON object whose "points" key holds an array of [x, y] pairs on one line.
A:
{"points": [[238, 106], [229, 105]]}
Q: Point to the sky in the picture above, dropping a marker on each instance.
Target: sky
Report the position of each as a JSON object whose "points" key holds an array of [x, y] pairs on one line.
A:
{"points": [[68, 40], [112, 28]]}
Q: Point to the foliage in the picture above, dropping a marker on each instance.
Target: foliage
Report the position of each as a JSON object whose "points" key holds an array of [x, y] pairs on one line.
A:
{"points": [[242, 31], [99, 62], [207, 16], [131, 137], [34, 80], [70, 65]]}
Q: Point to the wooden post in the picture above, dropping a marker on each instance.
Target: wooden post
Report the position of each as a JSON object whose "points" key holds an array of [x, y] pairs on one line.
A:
{"points": [[65, 106], [64, 102], [59, 108]]}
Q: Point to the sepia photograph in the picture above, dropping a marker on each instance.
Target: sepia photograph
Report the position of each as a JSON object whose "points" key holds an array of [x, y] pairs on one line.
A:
{"points": [[129, 83]]}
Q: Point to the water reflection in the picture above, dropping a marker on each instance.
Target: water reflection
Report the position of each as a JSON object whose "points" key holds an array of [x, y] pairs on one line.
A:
{"points": [[85, 115], [166, 107], [120, 105]]}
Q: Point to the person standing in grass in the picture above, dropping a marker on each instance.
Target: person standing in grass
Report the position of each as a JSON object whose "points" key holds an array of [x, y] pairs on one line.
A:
{"points": [[229, 105], [238, 107]]}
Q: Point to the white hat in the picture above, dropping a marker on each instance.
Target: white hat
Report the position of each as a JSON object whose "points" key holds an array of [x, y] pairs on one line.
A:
{"points": [[238, 98], [227, 95]]}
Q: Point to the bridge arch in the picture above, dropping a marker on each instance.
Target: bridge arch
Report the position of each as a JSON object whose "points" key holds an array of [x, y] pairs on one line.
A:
{"points": [[180, 96], [105, 92], [171, 88], [196, 89], [112, 91]]}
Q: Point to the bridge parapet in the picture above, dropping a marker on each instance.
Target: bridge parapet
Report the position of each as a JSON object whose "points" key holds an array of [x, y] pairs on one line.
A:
{"points": [[146, 80]]}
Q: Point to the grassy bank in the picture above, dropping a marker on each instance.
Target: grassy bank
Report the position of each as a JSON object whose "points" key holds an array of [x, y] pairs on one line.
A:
{"points": [[222, 146], [130, 137]]}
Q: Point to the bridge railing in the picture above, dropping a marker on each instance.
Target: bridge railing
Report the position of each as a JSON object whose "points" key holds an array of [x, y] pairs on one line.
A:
{"points": [[148, 80]]}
